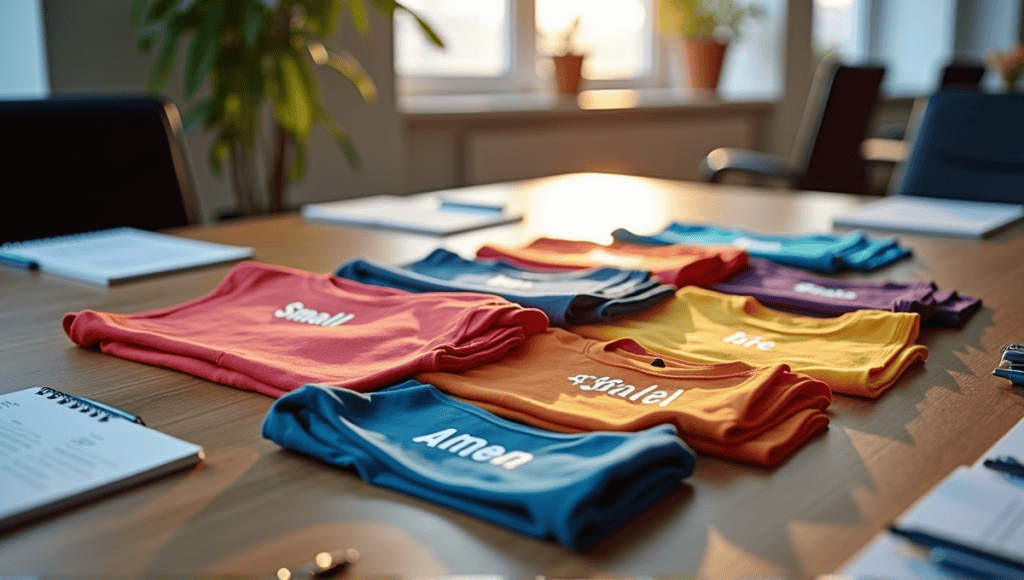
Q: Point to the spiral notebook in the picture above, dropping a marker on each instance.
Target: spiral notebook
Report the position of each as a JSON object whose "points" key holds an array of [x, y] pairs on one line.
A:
{"points": [[58, 450], [116, 255]]}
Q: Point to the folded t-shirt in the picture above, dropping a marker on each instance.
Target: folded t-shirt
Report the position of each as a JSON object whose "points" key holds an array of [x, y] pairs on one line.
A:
{"points": [[676, 265], [858, 353], [272, 329], [561, 381], [818, 252], [414, 439], [800, 292], [573, 297]]}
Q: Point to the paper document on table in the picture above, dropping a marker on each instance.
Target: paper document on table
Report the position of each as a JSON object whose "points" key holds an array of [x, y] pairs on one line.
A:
{"points": [[1011, 444], [977, 505], [425, 214], [905, 213], [974, 506]]}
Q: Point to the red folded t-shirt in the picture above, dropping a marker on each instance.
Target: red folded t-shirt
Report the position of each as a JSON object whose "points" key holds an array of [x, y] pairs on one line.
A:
{"points": [[676, 265], [272, 329]]}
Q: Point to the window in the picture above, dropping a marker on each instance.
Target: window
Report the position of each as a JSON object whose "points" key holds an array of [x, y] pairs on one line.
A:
{"points": [[23, 72], [616, 35], [504, 45], [914, 39]]}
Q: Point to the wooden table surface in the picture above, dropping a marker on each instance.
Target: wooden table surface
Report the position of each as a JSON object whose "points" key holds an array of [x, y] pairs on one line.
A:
{"points": [[251, 507]]}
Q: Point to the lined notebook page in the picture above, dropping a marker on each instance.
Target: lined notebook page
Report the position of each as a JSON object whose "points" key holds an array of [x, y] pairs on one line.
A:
{"points": [[53, 455]]}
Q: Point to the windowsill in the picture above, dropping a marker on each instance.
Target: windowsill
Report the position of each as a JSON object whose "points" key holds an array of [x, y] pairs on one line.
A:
{"points": [[603, 102]]}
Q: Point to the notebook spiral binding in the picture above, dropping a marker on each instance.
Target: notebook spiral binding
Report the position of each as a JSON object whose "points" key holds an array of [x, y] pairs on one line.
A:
{"points": [[75, 403], [63, 238]]}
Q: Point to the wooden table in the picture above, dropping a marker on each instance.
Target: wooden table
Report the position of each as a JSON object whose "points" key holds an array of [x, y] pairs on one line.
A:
{"points": [[252, 507]]}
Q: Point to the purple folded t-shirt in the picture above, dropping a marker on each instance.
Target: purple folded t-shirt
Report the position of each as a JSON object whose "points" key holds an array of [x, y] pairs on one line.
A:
{"points": [[799, 292]]}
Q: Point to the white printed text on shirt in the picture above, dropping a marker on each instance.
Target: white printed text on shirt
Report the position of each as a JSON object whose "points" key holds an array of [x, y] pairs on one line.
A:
{"points": [[297, 312], [619, 388], [475, 448]]}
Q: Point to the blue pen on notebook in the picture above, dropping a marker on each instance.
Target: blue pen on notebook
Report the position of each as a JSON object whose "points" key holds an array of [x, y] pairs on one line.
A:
{"points": [[1005, 464], [932, 540], [18, 262]]}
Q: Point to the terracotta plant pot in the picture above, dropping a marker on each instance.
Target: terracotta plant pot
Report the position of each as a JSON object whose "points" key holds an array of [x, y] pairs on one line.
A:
{"points": [[568, 73], [704, 58]]}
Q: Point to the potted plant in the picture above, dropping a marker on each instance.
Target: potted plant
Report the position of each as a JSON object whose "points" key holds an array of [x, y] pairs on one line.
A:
{"points": [[568, 61], [1009, 65], [705, 28], [251, 52]]}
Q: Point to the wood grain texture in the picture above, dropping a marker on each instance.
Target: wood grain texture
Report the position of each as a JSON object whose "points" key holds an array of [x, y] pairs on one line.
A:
{"points": [[252, 507]]}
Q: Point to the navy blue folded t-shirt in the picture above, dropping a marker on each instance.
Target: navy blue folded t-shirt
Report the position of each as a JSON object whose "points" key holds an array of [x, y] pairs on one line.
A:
{"points": [[573, 488], [568, 298]]}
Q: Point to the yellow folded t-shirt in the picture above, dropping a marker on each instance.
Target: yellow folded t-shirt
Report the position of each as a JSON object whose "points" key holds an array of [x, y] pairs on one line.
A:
{"points": [[859, 353]]}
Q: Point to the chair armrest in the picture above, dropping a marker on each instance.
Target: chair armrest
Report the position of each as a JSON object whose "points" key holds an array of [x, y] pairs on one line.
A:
{"points": [[891, 131], [727, 159]]}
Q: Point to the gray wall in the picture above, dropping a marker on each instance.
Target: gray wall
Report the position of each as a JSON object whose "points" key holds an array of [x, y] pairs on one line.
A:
{"points": [[90, 48]]}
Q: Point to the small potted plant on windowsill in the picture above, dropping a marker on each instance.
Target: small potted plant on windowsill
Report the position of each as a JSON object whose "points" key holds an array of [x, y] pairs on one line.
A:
{"points": [[1009, 65], [705, 28], [568, 62]]}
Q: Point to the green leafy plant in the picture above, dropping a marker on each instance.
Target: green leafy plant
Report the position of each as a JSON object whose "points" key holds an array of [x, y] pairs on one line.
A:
{"points": [[249, 52], [567, 39], [710, 19]]}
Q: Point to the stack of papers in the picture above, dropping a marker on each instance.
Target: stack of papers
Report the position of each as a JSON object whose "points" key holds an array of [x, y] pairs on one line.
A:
{"points": [[426, 214], [927, 215], [977, 509]]}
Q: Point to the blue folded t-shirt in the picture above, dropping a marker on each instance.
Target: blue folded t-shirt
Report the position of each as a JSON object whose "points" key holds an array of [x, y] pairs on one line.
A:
{"points": [[568, 298], [825, 253], [573, 488]]}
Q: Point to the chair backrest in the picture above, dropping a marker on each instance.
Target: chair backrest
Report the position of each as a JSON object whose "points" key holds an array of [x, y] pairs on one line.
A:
{"points": [[967, 145], [961, 74], [835, 124], [88, 163]]}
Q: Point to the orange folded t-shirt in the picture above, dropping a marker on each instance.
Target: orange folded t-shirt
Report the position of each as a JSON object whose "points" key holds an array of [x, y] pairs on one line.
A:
{"points": [[564, 382], [859, 353], [677, 265]]}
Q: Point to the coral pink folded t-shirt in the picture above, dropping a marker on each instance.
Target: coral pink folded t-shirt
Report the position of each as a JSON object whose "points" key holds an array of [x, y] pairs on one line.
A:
{"points": [[272, 329]]}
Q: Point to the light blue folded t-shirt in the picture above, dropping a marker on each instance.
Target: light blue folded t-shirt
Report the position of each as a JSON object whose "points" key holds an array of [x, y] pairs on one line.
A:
{"points": [[825, 253], [572, 488]]}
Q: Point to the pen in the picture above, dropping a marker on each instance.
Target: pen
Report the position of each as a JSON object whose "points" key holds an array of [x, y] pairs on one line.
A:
{"points": [[111, 409], [932, 540], [1005, 464], [324, 566], [470, 207], [964, 563], [18, 262]]}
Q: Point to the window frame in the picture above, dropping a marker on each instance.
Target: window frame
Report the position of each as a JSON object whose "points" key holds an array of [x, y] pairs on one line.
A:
{"points": [[522, 76]]}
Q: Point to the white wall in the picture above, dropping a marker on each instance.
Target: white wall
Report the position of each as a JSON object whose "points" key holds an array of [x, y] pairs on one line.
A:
{"points": [[91, 48]]}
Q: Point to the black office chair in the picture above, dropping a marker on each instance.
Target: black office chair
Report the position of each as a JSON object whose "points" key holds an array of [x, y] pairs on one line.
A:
{"points": [[75, 164], [967, 145], [827, 154]]}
